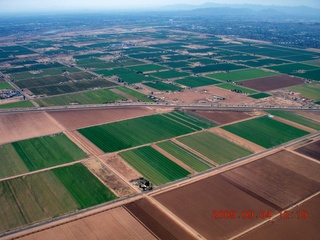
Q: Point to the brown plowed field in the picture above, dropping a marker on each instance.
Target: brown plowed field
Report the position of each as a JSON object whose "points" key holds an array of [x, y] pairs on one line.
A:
{"points": [[195, 203], [292, 228], [223, 117], [297, 164], [271, 83], [312, 115], [83, 118], [272, 183], [19, 126], [311, 150], [157, 221], [113, 224]]}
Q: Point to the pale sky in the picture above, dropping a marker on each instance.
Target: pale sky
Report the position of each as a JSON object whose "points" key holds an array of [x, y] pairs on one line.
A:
{"points": [[47, 5]]}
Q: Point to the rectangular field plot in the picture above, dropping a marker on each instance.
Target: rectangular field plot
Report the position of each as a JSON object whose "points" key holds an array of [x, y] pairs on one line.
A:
{"points": [[223, 117], [169, 74], [153, 165], [312, 74], [156, 220], [241, 75], [99, 96], [310, 91], [267, 179], [260, 95], [134, 132], [196, 81], [311, 150], [189, 158], [195, 205], [21, 104], [292, 67], [236, 88], [214, 68], [273, 82], [5, 85], [161, 86], [265, 131], [147, 68], [47, 151], [214, 147], [84, 187], [296, 118], [264, 62], [134, 94]]}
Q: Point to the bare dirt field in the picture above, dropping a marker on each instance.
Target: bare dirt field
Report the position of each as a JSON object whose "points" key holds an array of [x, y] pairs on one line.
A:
{"points": [[156, 220], [223, 117], [115, 162], [19, 126], [237, 140], [114, 224], [109, 178], [312, 115], [207, 94], [278, 186], [83, 118], [312, 150], [271, 83], [292, 228], [195, 203]]}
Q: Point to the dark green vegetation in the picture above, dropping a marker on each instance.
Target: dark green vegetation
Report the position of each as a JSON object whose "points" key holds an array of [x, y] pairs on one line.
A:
{"points": [[260, 95], [134, 132], [196, 81], [214, 147], [265, 62], [312, 74], [153, 165], [292, 68], [161, 86], [147, 68], [241, 75], [189, 158], [265, 131], [296, 118], [214, 68], [169, 74], [83, 186], [238, 88], [48, 151]]}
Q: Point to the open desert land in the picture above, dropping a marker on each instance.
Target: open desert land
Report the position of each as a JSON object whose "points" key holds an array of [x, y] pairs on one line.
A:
{"points": [[75, 119], [114, 224], [302, 223], [19, 126]]}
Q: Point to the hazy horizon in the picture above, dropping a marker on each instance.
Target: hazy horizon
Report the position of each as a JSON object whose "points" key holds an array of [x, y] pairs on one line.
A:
{"points": [[11, 6]]}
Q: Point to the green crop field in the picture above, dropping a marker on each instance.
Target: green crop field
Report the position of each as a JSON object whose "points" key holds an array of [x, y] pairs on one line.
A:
{"points": [[239, 58], [147, 68], [196, 81], [296, 118], [161, 86], [214, 147], [260, 95], [134, 94], [153, 165], [241, 75], [169, 74], [310, 91], [10, 161], [292, 67], [47, 151], [5, 85], [21, 104], [189, 158], [265, 131], [177, 64], [236, 87], [192, 119], [312, 74], [89, 97], [33, 198], [265, 62], [83, 186], [214, 68], [134, 132]]}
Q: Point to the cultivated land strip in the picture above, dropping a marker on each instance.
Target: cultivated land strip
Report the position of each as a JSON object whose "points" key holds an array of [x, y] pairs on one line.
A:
{"points": [[297, 125]]}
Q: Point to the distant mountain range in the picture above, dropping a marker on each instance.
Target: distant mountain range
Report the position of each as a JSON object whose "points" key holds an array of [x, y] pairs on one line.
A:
{"points": [[244, 9]]}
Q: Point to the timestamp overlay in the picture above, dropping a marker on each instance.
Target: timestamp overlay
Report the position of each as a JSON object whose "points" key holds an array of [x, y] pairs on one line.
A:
{"points": [[263, 214]]}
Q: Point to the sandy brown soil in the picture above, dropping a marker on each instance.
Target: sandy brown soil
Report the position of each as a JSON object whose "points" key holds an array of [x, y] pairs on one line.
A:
{"points": [[312, 115], [156, 220], [292, 228], [207, 93], [271, 83], [311, 130], [194, 204], [113, 224], [312, 150], [83, 118], [238, 140], [109, 178], [19, 126], [116, 163], [223, 117], [272, 183]]}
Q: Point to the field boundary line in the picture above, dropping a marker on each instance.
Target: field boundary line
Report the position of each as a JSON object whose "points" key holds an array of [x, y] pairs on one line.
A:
{"points": [[304, 156]]}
